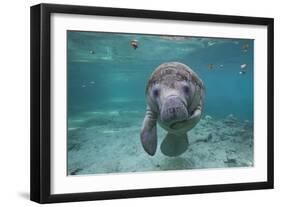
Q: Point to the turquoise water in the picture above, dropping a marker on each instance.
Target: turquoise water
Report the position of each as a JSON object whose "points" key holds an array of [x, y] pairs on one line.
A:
{"points": [[106, 79]]}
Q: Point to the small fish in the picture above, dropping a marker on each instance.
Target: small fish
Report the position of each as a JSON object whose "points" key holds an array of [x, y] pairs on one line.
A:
{"points": [[92, 52], [243, 69], [221, 66], [92, 82], [243, 66], [245, 47], [211, 43], [134, 44], [83, 86], [210, 66]]}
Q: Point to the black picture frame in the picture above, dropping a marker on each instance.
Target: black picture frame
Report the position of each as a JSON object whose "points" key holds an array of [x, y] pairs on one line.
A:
{"points": [[40, 184]]}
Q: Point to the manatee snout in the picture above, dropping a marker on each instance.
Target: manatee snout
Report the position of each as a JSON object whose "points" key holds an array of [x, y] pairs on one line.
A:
{"points": [[173, 110]]}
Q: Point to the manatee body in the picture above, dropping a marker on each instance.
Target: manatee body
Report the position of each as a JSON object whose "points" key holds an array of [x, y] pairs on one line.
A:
{"points": [[175, 98]]}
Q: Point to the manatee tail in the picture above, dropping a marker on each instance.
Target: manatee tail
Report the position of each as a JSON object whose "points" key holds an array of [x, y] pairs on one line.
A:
{"points": [[174, 144]]}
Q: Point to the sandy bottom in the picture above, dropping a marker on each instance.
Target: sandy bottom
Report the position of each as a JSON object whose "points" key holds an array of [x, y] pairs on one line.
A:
{"points": [[107, 141]]}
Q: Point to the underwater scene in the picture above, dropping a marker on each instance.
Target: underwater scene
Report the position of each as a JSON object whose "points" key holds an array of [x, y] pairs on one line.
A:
{"points": [[142, 102]]}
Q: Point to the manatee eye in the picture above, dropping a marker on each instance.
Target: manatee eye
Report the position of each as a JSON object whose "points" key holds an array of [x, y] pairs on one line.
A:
{"points": [[155, 92], [186, 89]]}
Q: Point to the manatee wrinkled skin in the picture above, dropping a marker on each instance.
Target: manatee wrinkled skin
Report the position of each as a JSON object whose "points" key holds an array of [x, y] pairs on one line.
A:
{"points": [[175, 99]]}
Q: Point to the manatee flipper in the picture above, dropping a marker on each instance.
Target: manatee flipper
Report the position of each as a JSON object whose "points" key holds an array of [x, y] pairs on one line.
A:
{"points": [[174, 144], [194, 119], [149, 132]]}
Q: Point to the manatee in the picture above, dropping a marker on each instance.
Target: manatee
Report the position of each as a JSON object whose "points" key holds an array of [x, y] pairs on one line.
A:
{"points": [[175, 99]]}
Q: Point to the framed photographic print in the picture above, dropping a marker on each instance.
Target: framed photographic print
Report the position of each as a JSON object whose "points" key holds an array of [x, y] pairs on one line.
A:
{"points": [[132, 103]]}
